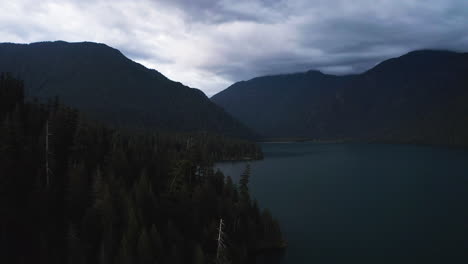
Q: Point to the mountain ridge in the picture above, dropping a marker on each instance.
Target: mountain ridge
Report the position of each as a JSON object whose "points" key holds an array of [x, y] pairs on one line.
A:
{"points": [[389, 102], [104, 83]]}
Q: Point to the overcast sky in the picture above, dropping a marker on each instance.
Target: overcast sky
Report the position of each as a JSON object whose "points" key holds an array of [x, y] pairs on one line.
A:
{"points": [[209, 44]]}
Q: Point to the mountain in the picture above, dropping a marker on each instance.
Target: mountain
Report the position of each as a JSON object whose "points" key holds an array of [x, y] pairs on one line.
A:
{"points": [[420, 97], [102, 82]]}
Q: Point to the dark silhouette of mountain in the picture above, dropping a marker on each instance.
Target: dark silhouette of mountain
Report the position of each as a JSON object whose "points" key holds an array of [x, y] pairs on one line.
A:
{"points": [[102, 82], [420, 97]]}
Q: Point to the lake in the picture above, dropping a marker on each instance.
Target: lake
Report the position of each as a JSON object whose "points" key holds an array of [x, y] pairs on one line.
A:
{"points": [[364, 203]]}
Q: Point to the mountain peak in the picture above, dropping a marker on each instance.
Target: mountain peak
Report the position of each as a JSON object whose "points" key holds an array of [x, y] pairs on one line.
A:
{"points": [[315, 72], [60, 43]]}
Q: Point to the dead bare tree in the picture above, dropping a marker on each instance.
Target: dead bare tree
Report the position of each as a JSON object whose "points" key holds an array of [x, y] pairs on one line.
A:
{"points": [[220, 256]]}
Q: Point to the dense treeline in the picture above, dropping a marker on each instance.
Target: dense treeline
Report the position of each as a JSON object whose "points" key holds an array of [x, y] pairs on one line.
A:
{"points": [[111, 196]]}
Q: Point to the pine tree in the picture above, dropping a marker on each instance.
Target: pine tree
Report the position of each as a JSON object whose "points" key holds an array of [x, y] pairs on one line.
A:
{"points": [[144, 252], [156, 243], [198, 255], [75, 252], [244, 183], [126, 255], [78, 194]]}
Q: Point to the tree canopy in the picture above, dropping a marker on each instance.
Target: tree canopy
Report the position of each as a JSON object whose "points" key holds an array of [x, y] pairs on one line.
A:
{"points": [[114, 195]]}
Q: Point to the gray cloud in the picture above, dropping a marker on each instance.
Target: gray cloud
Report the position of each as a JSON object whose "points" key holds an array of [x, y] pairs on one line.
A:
{"points": [[222, 11], [209, 44]]}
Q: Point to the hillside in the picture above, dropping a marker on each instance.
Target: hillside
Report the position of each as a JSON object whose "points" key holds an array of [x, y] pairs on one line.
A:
{"points": [[102, 82], [83, 192], [420, 97]]}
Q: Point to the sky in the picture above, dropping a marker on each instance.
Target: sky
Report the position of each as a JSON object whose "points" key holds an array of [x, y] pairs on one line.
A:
{"points": [[210, 44]]}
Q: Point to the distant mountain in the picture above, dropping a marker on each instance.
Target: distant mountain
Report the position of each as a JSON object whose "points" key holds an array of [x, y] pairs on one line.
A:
{"points": [[420, 97], [102, 82]]}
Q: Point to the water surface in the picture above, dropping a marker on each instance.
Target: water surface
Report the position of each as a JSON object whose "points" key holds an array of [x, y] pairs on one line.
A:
{"points": [[364, 203]]}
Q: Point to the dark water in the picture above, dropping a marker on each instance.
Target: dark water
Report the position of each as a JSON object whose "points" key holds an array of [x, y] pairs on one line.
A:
{"points": [[364, 203]]}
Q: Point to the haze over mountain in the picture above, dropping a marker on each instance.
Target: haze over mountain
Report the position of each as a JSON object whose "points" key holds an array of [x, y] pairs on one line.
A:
{"points": [[104, 83], [419, 97]]}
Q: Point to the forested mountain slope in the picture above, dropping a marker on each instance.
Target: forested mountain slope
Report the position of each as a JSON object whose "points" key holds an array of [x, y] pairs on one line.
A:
{"points": [[101, 81], [420, 97], [76, 191]]}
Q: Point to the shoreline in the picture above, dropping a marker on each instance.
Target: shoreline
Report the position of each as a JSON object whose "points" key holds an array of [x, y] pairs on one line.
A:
{"points": [[387, 142]]}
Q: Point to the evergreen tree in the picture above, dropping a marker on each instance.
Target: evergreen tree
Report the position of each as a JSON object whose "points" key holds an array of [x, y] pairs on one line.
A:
{"points": [[126, 255], [198, 255], [156, 243], [144, 252], [244, 183], [75, 252]]}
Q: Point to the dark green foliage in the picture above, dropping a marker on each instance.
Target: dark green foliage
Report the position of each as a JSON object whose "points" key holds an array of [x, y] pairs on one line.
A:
{"points": [[103, 83], [117, 196], [144, 250], [156, 244], [198, 255], [244, 183], [417, 98]]}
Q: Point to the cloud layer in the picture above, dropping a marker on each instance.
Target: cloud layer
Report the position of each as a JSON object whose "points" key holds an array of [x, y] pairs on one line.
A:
{"points": [[209, 44]]}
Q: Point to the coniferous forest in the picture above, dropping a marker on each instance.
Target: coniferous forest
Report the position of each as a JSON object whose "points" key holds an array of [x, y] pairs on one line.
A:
{"points": [[76, 191], [417, 98]]}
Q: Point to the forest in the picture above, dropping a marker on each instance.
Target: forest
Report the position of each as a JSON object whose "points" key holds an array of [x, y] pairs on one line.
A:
{"points": [[73, 190], [417, 98]]}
